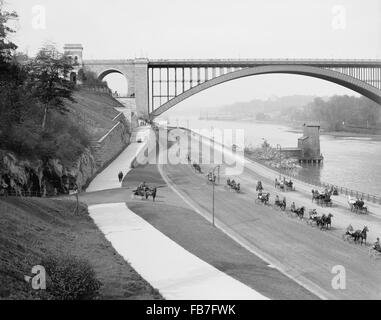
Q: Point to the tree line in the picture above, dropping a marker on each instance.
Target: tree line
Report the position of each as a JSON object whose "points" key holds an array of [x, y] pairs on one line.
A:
{"points": [[338, 112], [33, 96]]}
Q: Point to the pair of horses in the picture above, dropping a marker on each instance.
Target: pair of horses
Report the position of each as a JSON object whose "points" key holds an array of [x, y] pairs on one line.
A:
{"points": [[234, 185], [299, 212], [284, 185], [358, 235], [324, 221]]}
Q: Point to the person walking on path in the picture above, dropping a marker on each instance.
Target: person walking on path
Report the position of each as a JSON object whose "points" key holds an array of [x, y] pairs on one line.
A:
{"points": [[154, 194], [120, 176]]}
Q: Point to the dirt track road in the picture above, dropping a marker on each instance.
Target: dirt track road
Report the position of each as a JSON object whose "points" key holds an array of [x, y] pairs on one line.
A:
{"points": [[303, 252]]}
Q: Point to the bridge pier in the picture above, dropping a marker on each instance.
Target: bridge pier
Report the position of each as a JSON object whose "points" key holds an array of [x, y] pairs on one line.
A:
{"points": [[141, 88]]}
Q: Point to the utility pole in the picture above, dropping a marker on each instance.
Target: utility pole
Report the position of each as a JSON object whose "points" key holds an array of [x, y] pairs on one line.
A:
{"points": [[279, 147], [213, 183]]}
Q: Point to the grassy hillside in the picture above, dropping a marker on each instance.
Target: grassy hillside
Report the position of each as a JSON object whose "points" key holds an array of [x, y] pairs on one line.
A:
{"points": [[34, 229], [94, 111]]}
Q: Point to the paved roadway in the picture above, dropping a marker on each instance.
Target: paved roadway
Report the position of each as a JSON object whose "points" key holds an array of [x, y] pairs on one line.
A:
{"points": [[305, 253]]}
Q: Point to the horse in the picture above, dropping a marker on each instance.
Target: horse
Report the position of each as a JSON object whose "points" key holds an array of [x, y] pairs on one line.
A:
{"points": [[326, 200], [300, 212], [289, 185], [326, 221], [280, 204], [197, 168], [150, 192], [361, 235], [234, 186], [263, 198]]}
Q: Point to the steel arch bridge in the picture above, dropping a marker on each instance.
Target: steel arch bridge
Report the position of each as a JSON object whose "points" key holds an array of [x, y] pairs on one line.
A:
{"points": [[172, 81], [158, 85]]}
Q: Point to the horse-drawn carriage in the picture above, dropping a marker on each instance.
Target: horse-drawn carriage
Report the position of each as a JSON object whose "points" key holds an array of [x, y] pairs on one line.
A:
{"points": [[356, 236], [211, 177], [322, 198], [324, 221], [263, 198], [298, 211], [144, 191], [233, 185], [284, 185], [357, 205], [280, 204], [375, 250]]}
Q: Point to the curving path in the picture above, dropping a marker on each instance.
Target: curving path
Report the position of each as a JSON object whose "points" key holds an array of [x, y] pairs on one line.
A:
{"points": [[167, 266]]}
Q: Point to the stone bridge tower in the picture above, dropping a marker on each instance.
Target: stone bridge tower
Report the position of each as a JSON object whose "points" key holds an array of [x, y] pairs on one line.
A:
{"points": [[75, 53]]}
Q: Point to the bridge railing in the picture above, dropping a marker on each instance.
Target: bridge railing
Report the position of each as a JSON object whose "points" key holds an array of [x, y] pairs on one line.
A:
{"points": [[376, 199]]}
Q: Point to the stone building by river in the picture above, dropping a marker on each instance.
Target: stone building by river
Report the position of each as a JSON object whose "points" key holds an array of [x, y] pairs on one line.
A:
{"points": [[308, 149]]}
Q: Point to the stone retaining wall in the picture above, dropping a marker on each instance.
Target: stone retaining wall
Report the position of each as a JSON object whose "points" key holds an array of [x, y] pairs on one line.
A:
{"points": [[109, 146]]}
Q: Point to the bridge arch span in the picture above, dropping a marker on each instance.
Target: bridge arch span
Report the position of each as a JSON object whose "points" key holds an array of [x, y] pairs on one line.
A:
{"points": [[101, 75], [325, 74]]}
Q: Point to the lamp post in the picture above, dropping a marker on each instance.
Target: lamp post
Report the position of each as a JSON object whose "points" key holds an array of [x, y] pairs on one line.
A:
{"points": [[279, 147], [213, 183]]}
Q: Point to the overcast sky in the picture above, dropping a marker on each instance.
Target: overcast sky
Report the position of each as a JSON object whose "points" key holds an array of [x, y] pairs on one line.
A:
{"points": [[211, 29]]}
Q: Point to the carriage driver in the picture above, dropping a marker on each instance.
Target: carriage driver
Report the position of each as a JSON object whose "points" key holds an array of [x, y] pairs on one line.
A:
{"points": [[277, 199], [293, 207], [142, 186], [377, 245]]}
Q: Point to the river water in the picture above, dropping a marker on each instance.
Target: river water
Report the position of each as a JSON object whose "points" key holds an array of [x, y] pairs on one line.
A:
{"points": [[350, 162]]}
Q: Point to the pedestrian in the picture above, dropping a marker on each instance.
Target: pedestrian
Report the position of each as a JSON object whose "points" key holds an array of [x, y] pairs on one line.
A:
{"points": [[154, 194], [120, 176]]}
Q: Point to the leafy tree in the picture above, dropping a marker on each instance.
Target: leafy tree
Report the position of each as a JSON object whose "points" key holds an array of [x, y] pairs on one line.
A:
{"points": [[6, 46], [49, 80]]}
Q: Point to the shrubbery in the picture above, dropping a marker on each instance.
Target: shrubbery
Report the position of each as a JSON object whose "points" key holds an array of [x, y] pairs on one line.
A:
{"points": [[89, 78], [70, 278]]}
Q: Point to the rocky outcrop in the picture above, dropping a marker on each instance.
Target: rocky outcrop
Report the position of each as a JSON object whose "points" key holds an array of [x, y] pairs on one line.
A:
{"points": [[36, 178], [271, 157]]}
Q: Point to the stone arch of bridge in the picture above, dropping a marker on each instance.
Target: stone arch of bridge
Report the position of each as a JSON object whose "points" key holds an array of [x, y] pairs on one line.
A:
{"points": [[103, 74], [325, 74]]}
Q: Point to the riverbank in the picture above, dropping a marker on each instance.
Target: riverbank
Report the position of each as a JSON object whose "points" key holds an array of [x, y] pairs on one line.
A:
{"points": [[297, 128]]}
